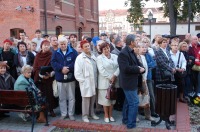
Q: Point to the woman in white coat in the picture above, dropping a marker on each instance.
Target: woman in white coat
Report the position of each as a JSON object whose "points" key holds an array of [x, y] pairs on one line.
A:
{"points": [[86, 74], [108, 71]]}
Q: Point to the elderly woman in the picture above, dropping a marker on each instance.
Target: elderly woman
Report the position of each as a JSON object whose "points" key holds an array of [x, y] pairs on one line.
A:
{"points": [[108, 71], [43, 58], [6, 80], [86, 75], [23, 57], [183, 47], [164, 61], [180, 64], [24, 81]]}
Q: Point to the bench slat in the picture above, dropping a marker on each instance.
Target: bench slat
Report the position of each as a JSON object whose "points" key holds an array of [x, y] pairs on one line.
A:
{"points": [[15, 101], [12, 93]]}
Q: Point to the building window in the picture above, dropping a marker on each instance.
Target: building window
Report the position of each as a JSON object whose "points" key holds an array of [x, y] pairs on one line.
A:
{"points": [[81, 7], [79, 33], [197, 27], [58, 4], [92, 32], [15, 32], [58, 30]]}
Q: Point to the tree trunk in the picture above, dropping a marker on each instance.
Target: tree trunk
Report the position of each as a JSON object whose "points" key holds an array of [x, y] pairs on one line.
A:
{"points": [[172, 17]]}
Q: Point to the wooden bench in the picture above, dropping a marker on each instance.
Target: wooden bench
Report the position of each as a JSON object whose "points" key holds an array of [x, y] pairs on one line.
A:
{"points": [[22, 100]]}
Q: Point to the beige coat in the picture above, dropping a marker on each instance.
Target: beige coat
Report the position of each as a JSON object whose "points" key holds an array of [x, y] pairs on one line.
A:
{"points": [[84, 74], [107, 68]]}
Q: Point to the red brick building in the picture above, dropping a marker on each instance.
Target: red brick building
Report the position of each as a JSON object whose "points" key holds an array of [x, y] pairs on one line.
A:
{"points": [[62, 17]]}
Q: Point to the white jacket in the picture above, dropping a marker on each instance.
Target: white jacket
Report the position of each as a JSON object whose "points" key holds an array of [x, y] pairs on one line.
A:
{"points": [[107, 68], [84, 74]]}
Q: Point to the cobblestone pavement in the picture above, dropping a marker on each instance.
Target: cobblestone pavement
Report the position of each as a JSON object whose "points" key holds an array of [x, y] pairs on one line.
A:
{"points": [[17, 124], [194, 118]]}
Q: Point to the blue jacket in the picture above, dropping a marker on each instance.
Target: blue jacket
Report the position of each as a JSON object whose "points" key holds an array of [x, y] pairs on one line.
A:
{"points": [[151, 64], [59, 60]]}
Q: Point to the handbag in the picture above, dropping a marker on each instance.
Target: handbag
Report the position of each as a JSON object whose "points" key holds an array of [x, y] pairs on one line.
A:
{"points": [[165, 74], [143, 100], [55, 89], [111, 92], [180, 74], [196, 68]]}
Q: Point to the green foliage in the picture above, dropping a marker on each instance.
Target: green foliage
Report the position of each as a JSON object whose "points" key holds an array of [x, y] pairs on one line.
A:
{"points": [[135, 11], [180, 9]]}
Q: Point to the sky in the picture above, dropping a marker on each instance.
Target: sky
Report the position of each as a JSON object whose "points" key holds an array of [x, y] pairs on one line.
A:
{"points": [[119, 4]]}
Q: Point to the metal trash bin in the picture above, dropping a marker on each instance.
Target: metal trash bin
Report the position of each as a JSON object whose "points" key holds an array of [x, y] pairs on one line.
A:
{"points": [[166, 96]]}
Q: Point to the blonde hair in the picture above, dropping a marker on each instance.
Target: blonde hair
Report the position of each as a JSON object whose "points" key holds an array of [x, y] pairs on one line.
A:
{"points": [[181, 44], [25, 68]]}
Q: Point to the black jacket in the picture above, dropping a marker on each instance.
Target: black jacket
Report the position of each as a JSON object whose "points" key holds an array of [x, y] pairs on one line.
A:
{"points": [[129, 70]]}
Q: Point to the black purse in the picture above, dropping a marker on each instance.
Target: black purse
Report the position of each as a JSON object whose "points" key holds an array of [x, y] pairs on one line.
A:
{"points": [[165, 74], [180, 74]]}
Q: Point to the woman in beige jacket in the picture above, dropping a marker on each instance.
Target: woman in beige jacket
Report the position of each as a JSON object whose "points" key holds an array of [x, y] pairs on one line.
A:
{"points": [[86, 74]]}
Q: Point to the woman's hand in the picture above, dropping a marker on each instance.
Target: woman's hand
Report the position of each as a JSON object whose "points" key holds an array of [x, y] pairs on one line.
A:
{"points": [[113, 79], [173, 70], [47, 76]]}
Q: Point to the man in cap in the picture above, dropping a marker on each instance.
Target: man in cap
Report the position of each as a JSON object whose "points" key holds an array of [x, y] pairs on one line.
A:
{"points": [[103, 36]]}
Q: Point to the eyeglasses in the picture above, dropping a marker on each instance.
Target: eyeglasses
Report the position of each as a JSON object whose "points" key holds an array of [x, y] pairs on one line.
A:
{"points": [[174, 45]]}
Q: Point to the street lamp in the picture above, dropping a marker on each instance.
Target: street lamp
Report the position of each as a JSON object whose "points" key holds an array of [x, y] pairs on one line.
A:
{"points": [[150, 17], [189, 14]]}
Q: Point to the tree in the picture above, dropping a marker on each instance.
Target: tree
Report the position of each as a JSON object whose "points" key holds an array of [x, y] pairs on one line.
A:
{"points": [[176, 10]]}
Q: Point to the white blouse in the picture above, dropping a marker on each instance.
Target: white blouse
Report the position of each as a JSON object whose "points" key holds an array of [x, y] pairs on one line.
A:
{"points": [[182, 61]]}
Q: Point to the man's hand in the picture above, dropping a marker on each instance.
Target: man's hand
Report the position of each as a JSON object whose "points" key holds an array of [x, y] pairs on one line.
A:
{"points": [[65, 70], [141, 69]]}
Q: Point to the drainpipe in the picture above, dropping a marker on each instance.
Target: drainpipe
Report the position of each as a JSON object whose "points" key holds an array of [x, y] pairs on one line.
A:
{"points": [[45, 16]]}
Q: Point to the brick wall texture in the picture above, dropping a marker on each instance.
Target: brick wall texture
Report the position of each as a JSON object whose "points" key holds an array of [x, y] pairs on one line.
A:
{"points": [[73, 15]]}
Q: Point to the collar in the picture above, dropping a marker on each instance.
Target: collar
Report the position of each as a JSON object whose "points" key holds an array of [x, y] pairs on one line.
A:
{"points": [[130, 50], [173, 53], [68, 51]]}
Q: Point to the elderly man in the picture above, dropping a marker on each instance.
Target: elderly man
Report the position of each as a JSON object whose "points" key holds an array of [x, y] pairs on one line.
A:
{"points": [[54, 43], [130, 68], [63, 64]]}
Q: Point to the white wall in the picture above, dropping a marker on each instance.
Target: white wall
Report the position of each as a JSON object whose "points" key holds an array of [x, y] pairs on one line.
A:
{"points": [[182, 29]]}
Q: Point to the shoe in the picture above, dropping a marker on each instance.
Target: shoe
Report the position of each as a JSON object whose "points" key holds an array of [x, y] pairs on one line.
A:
{"points": [[112, 119], [95, 117], [52, 114], [62, 117], [23, 116], [85, 119], [155, 115], [71, 117], [182, 101], [106, 120], [150, 118], [137, 120]]}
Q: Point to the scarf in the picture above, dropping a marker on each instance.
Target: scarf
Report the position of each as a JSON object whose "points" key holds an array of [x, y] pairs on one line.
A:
{"points": [[41, 59]]}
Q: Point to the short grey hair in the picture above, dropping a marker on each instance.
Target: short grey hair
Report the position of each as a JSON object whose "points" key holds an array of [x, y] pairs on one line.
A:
{"points": [[62, 40], [118, 39], [25, 68], [130, 38]]}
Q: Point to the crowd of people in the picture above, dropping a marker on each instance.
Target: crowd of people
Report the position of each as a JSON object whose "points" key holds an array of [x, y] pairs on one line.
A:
{"points": [[85, 69]]}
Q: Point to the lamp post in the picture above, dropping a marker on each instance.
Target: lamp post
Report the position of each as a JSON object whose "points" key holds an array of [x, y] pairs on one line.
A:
{"points": [[150, 17], [189, 14]]}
